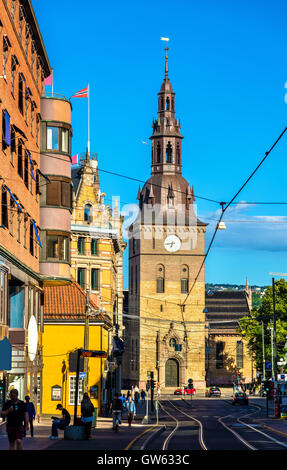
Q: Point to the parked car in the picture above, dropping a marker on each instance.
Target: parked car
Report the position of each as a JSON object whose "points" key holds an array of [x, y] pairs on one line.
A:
{"points": [[213, 392], [186, 391], [240, 398]]}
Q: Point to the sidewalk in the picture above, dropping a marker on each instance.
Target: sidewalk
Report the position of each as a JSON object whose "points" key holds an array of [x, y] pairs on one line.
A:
{"points": [[103, 437], [278, 425]]}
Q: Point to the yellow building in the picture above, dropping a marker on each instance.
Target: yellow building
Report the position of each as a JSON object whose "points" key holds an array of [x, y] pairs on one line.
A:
{"points": [[63, 333], [96, 247]]}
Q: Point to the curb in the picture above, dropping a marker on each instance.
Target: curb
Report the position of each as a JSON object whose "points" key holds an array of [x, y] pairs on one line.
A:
{"points": [[269, 427]]}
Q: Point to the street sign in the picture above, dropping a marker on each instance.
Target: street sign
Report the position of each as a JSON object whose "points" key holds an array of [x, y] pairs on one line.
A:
{"points": [[268, 365], [88, 353], [82, 375]]}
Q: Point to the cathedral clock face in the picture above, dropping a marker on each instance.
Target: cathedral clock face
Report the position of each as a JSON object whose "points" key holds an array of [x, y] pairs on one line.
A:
{"points": [[172, 243]]}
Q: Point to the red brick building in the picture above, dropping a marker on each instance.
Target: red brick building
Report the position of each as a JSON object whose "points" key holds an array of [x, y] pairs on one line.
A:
{"points": [[23, 66]]}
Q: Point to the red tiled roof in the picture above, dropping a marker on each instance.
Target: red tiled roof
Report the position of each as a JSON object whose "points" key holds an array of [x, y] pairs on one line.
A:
{"points": [[68, 302]]}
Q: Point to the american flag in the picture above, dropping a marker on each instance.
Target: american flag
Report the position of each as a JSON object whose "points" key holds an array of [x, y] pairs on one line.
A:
{"points": [[84, 93]]}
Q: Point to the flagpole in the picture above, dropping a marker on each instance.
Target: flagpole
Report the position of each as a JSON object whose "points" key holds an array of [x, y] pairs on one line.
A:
{"points": [[52, 82], [88, 118]]}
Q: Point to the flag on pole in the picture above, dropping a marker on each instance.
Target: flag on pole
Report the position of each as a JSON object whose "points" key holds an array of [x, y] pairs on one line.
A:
{"points": [[49, 80], [75, 159], [84, 93], [164, 39]]}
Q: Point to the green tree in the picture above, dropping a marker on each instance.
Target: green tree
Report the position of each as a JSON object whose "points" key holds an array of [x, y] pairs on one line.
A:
{"points": [[251, 327]]}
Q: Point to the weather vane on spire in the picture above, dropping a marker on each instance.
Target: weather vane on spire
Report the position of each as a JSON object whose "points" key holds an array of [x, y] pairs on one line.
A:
{"points": [[166, 49]]}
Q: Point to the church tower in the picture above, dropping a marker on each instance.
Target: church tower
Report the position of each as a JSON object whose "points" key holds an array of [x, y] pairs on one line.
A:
{"points": [[165, 328]]}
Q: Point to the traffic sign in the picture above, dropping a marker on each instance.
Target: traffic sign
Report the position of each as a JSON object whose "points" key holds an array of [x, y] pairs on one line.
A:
{"points": [[88, 353], [268, 365]]}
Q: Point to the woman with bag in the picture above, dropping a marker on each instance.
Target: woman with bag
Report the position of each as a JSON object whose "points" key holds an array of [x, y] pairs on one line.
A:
{"points": [[87, 411]]}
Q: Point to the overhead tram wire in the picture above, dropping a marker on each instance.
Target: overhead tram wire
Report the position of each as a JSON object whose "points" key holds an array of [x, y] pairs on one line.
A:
{"points": [[224, 210], [195, 195]]}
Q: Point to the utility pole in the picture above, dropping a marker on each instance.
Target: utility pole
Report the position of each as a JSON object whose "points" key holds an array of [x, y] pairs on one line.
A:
{"points": [[263, 349], [86, 339], [274, 330]]}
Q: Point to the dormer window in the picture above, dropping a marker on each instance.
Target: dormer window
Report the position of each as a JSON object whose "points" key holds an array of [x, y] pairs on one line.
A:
{"points": [[88, 213]]}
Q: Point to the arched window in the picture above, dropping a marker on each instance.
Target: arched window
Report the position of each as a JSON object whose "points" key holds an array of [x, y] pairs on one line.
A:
{"points": [[169, 153], [172, 103], [88, 213], [184, 279], [162, 103], [172, 343], [158, 153], [160, 275], [178, 154], [167, 104]]}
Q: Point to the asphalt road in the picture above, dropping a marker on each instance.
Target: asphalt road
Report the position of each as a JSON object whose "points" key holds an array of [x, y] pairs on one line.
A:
{"points": [[211, 424]]}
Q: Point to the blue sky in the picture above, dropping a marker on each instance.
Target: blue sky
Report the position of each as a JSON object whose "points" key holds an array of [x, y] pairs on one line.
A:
{"points": [[228, 67]]}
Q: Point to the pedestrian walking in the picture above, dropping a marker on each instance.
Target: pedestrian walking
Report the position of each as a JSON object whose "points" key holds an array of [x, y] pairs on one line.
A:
{"points": [[61, 423], [142, 396], [31, 413], [131, 410], [117, 408], [87, 412], [15, 411]]}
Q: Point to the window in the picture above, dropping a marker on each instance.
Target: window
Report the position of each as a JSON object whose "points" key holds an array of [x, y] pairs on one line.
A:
{"points": [[178, 154], [13, 10], [184, 279], [25, 230], [21, 20], [158, 153], [11, 215], [239, 354], [81, 241], [65, 140], [32, 119], [169, 153], [88, 213], [14, 63], [94, 246], [184, 286], [20, 93], [160, 279], [31, 238], [13, 144], [19, 226], [81, 277], [95, 278], [52, 138], [26, 103], [172, 343], [5, 54], [20, 158], [26, 170], [72, 390], [58, 139], [219, 354], [58, 246], [160, 285], [37, 129], [6, 129], [167, 104], [58, 193], [4, 208]]}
